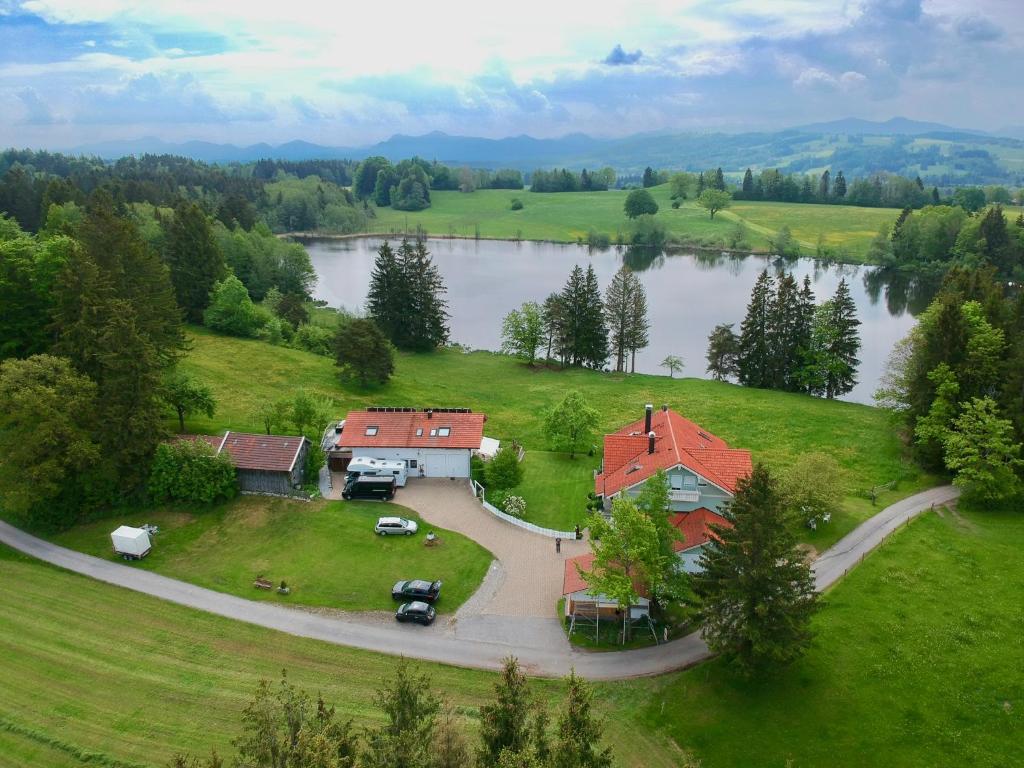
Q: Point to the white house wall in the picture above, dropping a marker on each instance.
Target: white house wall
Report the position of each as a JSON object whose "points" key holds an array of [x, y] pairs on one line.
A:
{"points": [[430, 462]]}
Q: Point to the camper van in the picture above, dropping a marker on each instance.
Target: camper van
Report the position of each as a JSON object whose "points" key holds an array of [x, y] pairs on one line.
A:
{"points": [[364, 466]]}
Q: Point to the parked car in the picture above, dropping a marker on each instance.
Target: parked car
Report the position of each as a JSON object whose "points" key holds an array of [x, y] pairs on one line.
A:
{"points": [[397, 526], [369, 487], [416, 611], [417, 589]]}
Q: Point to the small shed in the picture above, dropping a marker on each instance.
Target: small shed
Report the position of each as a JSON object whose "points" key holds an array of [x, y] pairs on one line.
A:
{"points": [[267, 463], [130, 543]]}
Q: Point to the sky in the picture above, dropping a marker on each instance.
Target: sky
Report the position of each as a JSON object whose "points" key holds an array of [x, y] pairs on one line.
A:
{"points": [[342, 73]]}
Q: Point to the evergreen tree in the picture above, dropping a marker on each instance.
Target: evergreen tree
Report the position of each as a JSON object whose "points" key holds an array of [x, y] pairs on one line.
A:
{"points": [[748, 184], [388, 294], [824, 185], [649, 179], [594, 339], [719, 180], [618, 300], [505, 723], [427, 313], [195, 261], [840, 186], [757, 589], [579, 730], [701, 183], [936, 198], [363, 352], [754, 362], [406, 739], [723, 352], [784, 334], [842, 343], [552, 319], [639, 325]]}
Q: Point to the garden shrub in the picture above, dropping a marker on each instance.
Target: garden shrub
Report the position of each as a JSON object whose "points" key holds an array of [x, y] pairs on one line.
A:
{"points": [[191, 471], [315, 339], [515, 506], [504, 471]]}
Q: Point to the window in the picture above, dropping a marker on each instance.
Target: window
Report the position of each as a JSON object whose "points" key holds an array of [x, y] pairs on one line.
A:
{"points": [[412, 463], [689, 483], [371, 431], [676, 482], [433, 433], [701, 481], [419, 431], [444, 431]]}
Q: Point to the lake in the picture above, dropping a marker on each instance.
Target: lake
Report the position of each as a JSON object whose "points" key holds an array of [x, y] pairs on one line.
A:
{"points": [[687, 294]]}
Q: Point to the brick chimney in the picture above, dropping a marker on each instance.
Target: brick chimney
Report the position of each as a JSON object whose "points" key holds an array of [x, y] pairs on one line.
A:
{"points": [[650, 442], [648, 411]]}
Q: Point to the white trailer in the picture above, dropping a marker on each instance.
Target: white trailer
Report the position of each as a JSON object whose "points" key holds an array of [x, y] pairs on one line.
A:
{"points": [[130, 543], [368, 466]]}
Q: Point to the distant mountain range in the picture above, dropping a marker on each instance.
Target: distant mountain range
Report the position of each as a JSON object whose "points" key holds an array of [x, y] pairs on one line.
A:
{"points": [[803, 148]]}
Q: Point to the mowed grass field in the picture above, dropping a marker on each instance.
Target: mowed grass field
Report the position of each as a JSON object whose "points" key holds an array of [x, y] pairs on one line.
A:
{"points": [[570, 216], [775, 426], [327, 552], [918, 661]]}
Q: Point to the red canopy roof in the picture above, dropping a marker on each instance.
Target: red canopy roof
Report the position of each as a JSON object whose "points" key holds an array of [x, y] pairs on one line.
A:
{"points": [[411, 429], [678, 441]]}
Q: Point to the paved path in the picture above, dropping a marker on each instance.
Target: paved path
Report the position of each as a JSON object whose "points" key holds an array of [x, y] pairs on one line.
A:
{"points": [[552, 660]]}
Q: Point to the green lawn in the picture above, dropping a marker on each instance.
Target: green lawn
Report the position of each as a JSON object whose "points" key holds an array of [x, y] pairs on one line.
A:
{"points": [[918, 661], [775, 426], [555, 488], [570, 216], [91, 667], [327, 552]]}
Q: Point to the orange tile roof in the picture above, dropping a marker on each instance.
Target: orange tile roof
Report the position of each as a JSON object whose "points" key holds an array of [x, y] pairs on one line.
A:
{"points": [[694, 527], [399, 430], [678, 441], [571, 580]]}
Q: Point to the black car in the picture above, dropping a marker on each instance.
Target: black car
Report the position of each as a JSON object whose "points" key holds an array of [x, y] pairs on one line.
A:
{"points": [[427, 591], [416, 611]]}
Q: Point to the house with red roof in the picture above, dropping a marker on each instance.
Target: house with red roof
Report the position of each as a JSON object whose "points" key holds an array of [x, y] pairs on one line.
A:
{"points": [[272, 464], [702, 472], [433, 442]]}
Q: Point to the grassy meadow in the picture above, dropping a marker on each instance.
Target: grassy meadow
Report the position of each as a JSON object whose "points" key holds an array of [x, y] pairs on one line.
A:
{"points": [[570, 216], [918, 661], [775, 426], [327, 552]]}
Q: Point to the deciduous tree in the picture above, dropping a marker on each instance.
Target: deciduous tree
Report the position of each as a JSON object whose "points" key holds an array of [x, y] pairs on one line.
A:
{"points": [[186, 395], [723, 352], [714, 200], [522, 332], [570, 425], [639, 202], [981, 450], [673, 363]]}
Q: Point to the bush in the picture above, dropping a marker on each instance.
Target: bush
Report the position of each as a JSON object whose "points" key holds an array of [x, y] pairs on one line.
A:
{"points": [[598, 239], [191, 471], [515, 506], [639, 202], [477, 469], [315, 339], [649, 233], [315, 461], [504, 471], [517, 204], [231, 311]]}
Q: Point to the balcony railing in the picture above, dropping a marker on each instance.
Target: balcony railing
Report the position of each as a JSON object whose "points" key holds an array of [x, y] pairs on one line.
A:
{"points": [[680, 495]]}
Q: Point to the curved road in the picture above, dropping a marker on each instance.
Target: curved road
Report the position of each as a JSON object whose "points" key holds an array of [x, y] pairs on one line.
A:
{"points": [[404, 640]]}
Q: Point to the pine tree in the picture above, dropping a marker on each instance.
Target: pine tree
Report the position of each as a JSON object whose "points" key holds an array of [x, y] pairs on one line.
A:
{"points": [[754, 360], [552, 317], [195, 261], [784, 341], [757, 589], [595, 345], [701, 183], [824, 185], [579, 730], [429, 311], [505, 724], [936, 197], [842, 345], [719, 180], [639, 325], [572, 302], [618, 300], [405, 740], [804, 333], [649, 179], [748, 184], [388, 293], [840, 186]]}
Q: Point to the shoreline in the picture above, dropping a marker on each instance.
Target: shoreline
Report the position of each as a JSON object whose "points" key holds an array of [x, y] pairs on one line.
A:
{"points": [[669, 249]]}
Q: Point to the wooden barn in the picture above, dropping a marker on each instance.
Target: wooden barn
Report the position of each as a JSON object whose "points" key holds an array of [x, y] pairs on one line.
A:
{"points": [[273, 464]]}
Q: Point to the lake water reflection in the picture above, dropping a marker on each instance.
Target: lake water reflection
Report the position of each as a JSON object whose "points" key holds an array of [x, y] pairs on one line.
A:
{"points": [[687, 294]]}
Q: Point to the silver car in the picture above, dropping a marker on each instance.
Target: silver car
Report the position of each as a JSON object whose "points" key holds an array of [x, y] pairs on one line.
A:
{"points": [[395, 526]]}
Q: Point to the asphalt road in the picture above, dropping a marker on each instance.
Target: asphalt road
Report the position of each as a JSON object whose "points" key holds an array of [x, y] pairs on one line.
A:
{"points": [[407, 640]]}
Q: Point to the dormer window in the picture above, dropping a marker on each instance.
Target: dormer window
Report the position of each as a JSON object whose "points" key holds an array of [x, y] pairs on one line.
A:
{"points": [[371, 431], [433, 433], [444, 431]]}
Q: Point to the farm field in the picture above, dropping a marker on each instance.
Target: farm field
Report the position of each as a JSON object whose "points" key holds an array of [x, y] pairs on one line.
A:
{"points": [[775, 426], [327, 552], [917, 661], [570, 216]]}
